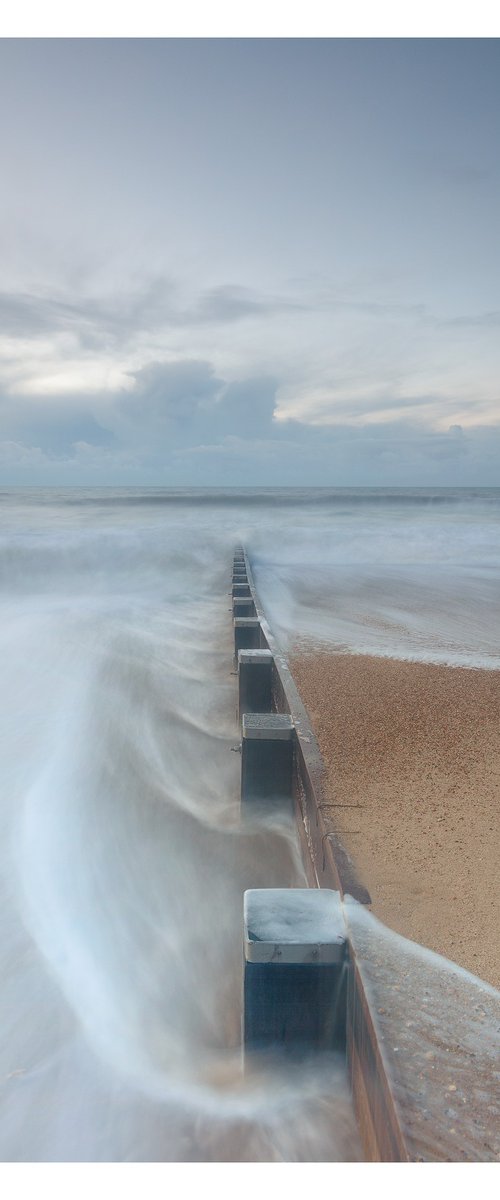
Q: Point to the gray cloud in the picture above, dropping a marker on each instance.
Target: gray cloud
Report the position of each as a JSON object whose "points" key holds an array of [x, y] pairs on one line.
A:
{"points": [[246, 409], [182, 421], [403, 452], [174, 404], [351, 408], [149, 307], [92, 320], [54, 428], [484, 320], [232, 303], [173, 391]]}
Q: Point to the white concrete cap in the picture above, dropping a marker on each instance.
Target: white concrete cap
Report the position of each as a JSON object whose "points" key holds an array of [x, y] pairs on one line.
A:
{"points": [[240, 622], [268, 725], [255, 656], [293, 925]]}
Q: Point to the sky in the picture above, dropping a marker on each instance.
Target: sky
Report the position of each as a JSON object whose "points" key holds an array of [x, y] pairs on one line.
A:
{"points": [[250, 262]]}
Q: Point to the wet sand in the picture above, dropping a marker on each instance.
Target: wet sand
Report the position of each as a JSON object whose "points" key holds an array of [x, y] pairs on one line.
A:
{"points": [[412, 753]]}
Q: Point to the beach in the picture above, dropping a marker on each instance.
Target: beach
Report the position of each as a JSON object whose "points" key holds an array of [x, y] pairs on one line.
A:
{"points": [[412, 755], [122, 845]]}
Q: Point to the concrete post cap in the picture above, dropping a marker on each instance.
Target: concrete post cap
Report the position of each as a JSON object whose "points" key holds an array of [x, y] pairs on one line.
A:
{"points": [[294, 925], [273, 726], [254, 656]]}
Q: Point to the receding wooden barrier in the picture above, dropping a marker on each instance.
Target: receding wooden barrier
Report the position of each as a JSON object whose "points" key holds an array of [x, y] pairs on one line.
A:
{"points": [[327, 867], [327, 862]]}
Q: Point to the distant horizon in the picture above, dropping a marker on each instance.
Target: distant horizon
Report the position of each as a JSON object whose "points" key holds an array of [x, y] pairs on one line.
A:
{"points": [[261, 487]]}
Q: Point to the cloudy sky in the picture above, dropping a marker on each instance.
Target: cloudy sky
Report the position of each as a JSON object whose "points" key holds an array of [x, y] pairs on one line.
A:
{"points": [[250, 262]]}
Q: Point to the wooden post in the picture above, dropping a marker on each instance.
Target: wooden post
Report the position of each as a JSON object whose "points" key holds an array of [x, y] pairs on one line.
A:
{"points": [[247, 634], [254, 681], [267, 759], [295, 952], [243, 606]]}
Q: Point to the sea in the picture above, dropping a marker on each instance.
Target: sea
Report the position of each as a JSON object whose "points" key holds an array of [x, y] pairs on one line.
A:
{"points": [[122, 857]]}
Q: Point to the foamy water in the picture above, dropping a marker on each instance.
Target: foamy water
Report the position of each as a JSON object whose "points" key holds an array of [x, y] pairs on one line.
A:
{"points": [[123, 862], [412, 575]]}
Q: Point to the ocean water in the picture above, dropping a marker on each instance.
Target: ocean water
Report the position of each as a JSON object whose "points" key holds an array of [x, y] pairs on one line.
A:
{"points": [[122, 859], [411, 573]]}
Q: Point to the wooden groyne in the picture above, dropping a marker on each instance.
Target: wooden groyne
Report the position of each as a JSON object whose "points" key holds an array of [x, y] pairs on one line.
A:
{"points": [[399, 1101], [327, 866]]}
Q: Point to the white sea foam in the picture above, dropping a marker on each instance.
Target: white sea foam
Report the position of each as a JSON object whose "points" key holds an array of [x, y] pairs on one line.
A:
{"points": [[418, 581], [122, 861]]}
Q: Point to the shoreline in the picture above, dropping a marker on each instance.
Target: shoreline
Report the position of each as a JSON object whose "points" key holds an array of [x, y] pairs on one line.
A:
{"points": [[412, 758]]}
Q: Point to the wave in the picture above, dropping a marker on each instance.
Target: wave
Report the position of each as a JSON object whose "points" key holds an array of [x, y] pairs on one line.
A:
{"points": [[122, 860], [335, 498]]}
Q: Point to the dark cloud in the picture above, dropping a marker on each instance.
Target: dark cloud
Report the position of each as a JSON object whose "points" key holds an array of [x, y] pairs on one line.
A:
{"points": [[396, 454], [170, 405], [484, 320], [173, 405], [232, 303], [54, 426], [246, 409], [173, 392], [150, 307], [87, 327], [93, 324], [93, 321], [376, 309], [182, 423]]}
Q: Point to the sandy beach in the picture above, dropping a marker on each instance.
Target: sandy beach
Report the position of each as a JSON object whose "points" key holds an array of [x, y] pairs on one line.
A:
{"points": [[412, 753]]}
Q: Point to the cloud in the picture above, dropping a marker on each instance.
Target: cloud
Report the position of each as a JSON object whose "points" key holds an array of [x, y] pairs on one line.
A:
{"points": [[90, 324], [174, 404], [315, 352], [80, 462], [92, 320], [287, 453], [17, 456], [341, 406], [54, 426], [484, 320], [231, 303], [167, 406], [183, 420], [172, 391], [400, 454], [246, 408], [148, 306]]}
